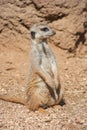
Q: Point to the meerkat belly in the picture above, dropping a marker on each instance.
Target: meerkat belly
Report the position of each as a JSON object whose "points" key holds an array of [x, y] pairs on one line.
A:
{"points": [[45, 65], [42, 91], [44, 94]]}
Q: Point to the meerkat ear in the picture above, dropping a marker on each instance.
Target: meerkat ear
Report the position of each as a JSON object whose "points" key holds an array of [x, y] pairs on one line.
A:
{"points": [[33, 35]]}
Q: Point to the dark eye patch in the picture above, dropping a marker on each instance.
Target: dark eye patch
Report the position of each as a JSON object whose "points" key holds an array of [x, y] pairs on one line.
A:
{"points": [[44, 29], [33, 35]]}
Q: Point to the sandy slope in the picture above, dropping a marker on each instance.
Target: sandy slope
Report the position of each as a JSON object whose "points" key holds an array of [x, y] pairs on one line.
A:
{"points": [[73, 75]]}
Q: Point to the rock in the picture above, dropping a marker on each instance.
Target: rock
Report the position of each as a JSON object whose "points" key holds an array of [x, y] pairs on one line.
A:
{"points": [[66, 17]]}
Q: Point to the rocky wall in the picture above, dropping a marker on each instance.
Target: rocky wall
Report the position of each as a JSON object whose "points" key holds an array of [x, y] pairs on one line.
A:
{"points": [[67, 17]]}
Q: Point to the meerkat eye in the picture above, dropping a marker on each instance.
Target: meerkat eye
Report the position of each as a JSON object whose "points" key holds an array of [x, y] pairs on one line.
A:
{"points": [[33, 35], [44, 29]]}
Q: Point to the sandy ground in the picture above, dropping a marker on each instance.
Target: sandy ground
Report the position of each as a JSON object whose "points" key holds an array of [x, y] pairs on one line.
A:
{"points": [[73, 76]]}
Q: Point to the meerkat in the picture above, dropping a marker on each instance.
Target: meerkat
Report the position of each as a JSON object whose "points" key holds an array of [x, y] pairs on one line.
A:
{"points": [[43, 85]]}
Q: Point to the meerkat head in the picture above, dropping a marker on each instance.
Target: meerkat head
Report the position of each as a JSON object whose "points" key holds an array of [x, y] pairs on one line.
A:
{"points": [[41, 32]]}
